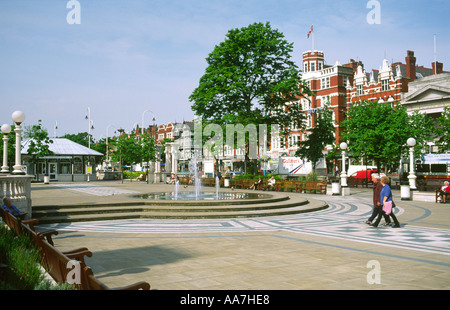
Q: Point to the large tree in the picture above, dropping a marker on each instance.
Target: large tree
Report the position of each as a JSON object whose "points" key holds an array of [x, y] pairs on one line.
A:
{"points": [[443, 129], [321, 135], [249, 79], [379, 131]]}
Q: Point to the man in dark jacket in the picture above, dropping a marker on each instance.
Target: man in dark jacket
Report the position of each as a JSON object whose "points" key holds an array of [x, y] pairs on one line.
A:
{"points": [[376, 201]]}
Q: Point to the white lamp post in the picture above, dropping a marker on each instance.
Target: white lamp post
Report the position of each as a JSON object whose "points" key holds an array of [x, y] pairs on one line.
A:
{"points": [[344, 187], [343, 146], [18, 117], [412, 177], [6, 129]]}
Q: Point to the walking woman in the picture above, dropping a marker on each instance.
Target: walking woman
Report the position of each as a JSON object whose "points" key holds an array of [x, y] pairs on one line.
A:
{"points": [[386, 195]]}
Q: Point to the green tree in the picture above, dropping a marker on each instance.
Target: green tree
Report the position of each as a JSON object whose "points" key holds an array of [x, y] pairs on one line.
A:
{"points": [[249, 79], [379, 131], [442, 130], [127, 150], [321, 135], [39, 142], [81, 138]]}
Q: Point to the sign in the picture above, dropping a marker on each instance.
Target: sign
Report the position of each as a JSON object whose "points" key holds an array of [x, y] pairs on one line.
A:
{"points": [[293, 165], [88, 169], [437, 157]]}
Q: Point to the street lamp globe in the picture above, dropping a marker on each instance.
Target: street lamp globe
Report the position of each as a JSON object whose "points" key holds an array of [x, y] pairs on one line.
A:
{"points": [[6, 128], [18, 117], [343, 146], [411, 142]]}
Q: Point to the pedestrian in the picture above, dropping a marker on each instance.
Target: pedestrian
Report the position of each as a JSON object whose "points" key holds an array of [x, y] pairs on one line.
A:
{"points": [[376, 201], [386, 196]]}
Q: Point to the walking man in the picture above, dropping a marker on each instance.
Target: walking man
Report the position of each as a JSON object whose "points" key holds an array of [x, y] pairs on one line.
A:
{"points": [[377, 187]]}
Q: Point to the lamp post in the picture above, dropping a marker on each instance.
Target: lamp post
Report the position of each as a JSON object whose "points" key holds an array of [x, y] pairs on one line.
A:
{"points": [[18, 117], [143, 113], [344, 187], [91, 125], [412, 177], [6, 129]]}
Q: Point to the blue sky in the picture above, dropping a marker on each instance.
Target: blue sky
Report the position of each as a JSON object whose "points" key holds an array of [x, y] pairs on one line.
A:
{"points": [[126, 57]]}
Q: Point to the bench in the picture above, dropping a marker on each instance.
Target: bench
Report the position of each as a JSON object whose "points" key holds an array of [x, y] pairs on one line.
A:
{"points": [[445, 198], [18, 226], [60, 265], [55, 262], [315, 186]]}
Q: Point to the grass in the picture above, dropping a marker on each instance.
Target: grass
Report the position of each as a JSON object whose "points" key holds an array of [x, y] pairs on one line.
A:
{"points": [[24, 270]]}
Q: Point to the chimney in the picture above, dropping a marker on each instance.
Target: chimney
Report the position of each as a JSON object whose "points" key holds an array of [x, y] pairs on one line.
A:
{"points": [[410, 65], [439, 65]]}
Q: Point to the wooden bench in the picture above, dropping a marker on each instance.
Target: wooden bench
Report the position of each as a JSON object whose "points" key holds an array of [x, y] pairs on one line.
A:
{"points": [[316, 186], [437, 195], [61, 265], [55, 262], [18, 226]]}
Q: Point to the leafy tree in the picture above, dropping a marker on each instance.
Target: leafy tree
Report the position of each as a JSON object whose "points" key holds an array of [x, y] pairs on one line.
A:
{"points": [[39, 144], [443, 129], [148, 148], [379, 131], [81, 138], [321, 135], [127, 149], [249, 79]]}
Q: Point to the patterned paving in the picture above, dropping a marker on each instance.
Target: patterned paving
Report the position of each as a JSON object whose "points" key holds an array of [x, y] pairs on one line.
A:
{"points": [[344, 219], [91, 189]]}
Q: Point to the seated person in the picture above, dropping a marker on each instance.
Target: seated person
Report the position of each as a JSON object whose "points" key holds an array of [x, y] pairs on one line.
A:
{"points": [[444, 192], [256, 184], [141, 177], [7, 205], [173, 180], [270, 183]]}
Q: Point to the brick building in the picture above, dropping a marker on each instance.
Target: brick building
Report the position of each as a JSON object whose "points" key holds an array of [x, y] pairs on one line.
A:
{"points": [[389, 82]]}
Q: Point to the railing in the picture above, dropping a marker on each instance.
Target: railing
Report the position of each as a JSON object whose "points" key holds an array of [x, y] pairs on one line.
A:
{"points": [[18, 189]]}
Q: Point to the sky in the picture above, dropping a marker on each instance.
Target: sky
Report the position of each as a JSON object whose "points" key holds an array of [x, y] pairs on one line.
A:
{"points": [[129, 59]]}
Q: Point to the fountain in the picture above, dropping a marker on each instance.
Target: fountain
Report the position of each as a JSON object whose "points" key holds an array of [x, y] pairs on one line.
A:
{"points": [[194, 172], [177, 186], [217, 187]]}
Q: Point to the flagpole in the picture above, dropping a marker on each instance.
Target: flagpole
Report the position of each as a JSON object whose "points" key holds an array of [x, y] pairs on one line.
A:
{"points": [[435, 61], [312, 34]]}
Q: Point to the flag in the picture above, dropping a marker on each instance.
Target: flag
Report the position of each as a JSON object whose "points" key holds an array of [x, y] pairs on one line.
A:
{"points": [[309, 33]]}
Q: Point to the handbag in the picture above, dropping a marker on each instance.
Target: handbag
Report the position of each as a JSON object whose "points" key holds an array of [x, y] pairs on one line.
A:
{"points": [[387, 207]]}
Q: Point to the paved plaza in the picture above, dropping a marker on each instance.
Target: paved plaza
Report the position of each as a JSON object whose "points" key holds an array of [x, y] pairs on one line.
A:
{"points": [[331, 249]]}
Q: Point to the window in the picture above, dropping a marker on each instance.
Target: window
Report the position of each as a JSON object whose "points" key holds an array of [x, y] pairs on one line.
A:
{"points": [[313, 66], [319, 66], [359, 90], [325, 83], [306, 67], [384, 85]]}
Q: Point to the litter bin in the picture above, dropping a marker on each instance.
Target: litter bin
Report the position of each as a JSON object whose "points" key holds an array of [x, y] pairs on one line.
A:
{"points": [[335, 188], [405, 192], [46, 179]]}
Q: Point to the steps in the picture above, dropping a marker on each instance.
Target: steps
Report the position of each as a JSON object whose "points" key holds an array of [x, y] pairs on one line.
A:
{"points": [[273, 205]]}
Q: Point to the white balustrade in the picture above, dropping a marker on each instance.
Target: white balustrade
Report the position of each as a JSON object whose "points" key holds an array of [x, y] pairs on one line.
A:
{"points": [[18, 189]]}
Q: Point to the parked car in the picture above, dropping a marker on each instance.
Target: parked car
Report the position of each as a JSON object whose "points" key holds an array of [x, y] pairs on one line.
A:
{"points": [[363, 176]]}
